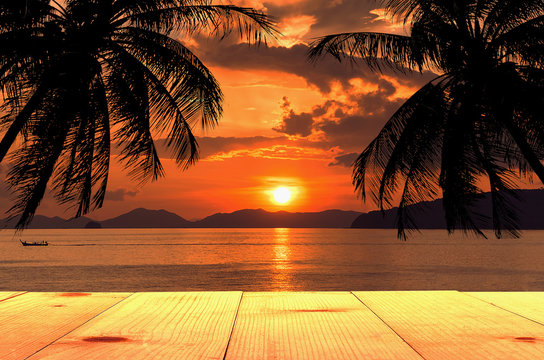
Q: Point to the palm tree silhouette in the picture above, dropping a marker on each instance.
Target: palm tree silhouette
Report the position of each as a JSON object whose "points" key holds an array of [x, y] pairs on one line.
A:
{"points": [[480, 119], [80, 77]]}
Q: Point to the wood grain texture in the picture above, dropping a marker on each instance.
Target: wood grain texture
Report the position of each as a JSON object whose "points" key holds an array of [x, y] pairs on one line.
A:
{"points": [[154, 326], [312, 325], [6, 295], [527, 304], [450, 325], [31, 321]]}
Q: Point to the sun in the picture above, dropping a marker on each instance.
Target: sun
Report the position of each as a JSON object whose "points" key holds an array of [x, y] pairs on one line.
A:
{"points": [[282, 195]]}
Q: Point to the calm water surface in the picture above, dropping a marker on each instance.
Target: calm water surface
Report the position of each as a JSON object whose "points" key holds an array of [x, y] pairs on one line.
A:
{"points": [[267, 260]]}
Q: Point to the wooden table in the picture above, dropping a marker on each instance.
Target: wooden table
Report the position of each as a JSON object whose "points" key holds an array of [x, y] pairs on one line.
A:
{"points": [[273, 325]]}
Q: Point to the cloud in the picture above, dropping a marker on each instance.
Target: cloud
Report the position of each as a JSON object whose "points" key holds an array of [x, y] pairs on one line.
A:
{"points": [[331, 16], [278, 152], [351, 118], [294, 124], [210, 147], [291, 60], [342, 124], [120, 194], [294, 60], [213, 145], [302, 21], [346, 160], [358, 118], [335, 130], [387, 21], [357, 101], [294, 29]]}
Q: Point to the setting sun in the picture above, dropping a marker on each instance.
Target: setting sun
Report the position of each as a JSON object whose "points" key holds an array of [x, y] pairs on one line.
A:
{"points": [[282, 195]]}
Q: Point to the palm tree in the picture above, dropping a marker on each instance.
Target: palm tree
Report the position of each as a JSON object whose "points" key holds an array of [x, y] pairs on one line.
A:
{"points": [[479, 121], [84, 78]]}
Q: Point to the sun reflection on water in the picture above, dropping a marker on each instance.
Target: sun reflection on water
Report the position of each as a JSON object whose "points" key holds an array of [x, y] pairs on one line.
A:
{"points": [[282, 268]]}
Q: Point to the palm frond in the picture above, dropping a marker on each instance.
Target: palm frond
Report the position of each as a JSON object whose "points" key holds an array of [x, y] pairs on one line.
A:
{"points": [[130, 109], [83, 170], [507, 15], [405, 153], [377, 50], [35, 163], [195, 90], [194, 16], [460, 167], [20, 120], [504, 211]]}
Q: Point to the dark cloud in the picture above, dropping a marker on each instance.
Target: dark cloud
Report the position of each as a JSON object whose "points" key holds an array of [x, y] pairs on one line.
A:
{"points": [[377, 101], [290, 60], [355, 131], [294, 60], [352, 123], [346, 160], [294, 124], [331, 16], [120, 194]]}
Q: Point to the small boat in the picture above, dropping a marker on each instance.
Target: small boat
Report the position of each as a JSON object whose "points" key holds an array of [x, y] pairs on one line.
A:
{"points": [[35, 243]]}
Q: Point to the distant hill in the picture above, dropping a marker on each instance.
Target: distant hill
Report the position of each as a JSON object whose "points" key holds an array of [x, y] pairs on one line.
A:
{"points": [[263, 219], [44, 222], [430, 214], [144, 218]]}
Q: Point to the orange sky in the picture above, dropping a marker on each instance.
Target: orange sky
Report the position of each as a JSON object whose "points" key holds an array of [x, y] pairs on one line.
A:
{"points": [[286, 122]]}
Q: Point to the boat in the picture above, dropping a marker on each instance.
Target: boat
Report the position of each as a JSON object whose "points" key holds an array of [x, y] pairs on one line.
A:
{"points": [[35, 243]]}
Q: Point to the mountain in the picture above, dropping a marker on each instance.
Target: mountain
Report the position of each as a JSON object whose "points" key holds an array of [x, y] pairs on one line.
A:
{"points": [[144, 218], [430, 214], [44, 222], [263, 219]]}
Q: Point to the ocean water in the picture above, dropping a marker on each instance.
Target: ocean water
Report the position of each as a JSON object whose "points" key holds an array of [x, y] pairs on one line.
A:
{"points": [[267, 260]]}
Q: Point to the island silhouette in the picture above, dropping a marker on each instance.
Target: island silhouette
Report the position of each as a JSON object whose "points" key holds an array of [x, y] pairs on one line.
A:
{"points": [[429, 216]]}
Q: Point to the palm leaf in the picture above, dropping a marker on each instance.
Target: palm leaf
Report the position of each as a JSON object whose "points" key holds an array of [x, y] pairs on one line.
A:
{"points": [[377, 50], [193, 16]]}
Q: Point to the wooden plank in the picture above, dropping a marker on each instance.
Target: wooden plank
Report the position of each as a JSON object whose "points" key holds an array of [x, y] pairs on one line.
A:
{"points": [[451, 325], [527, 304], [31, 321], [312, 325], [154, 326], [6, 295]]}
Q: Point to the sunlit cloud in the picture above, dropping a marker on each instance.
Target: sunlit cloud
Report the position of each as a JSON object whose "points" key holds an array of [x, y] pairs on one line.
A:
{"points": [[403, 89], [261, 5], [281, 152], [390, 24], [348, 118], [294, 29]]}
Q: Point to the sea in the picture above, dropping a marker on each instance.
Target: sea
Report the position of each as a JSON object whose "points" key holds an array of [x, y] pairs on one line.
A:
{"points": [[268, 260]]}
